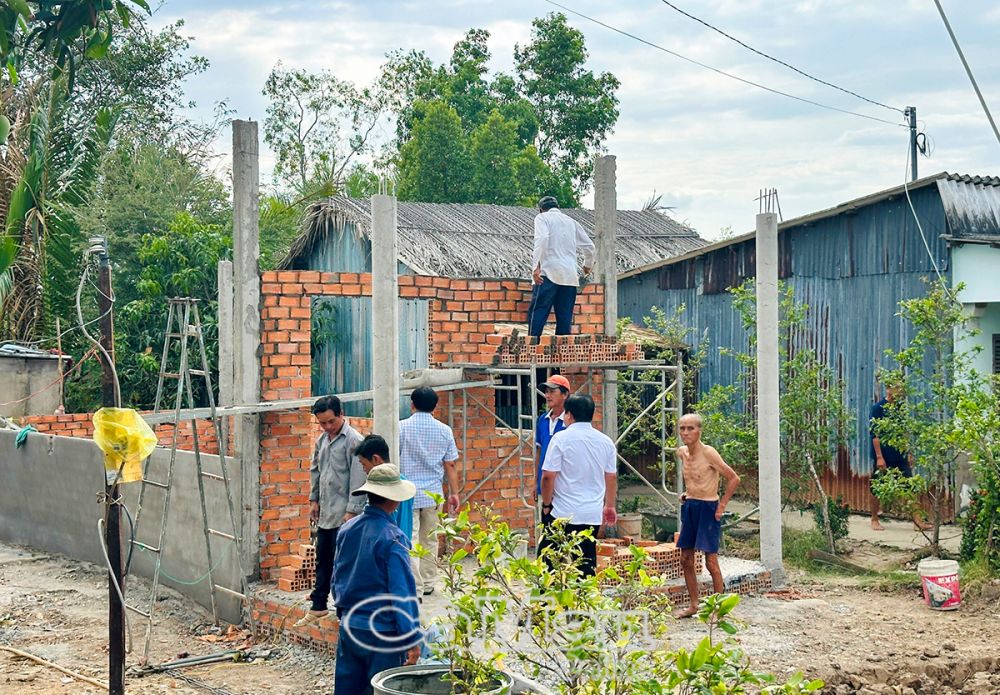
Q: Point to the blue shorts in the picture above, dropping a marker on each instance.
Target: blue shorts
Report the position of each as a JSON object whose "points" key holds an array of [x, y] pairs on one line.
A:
{"points": [[699, 527]]}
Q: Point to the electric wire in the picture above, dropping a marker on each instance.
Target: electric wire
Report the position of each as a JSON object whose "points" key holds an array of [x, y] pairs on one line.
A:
{"points": [[968, 70], [723, 72], [778, 60], [82, 326], [114, 581]]}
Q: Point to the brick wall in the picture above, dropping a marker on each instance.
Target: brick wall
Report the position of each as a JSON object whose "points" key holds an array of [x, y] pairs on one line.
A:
{"points": [[462, 318], [82, 425]]}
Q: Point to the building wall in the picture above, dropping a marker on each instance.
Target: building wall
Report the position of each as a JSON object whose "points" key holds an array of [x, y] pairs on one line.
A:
{"points": [[977, 267], [82, 425], [29, 385], [852, 270], [462, 317], [48, 500]]}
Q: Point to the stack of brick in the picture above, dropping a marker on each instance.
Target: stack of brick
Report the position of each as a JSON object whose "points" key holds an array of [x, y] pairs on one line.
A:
{"points": [[515, 349], [662, 559], [300, 574]]}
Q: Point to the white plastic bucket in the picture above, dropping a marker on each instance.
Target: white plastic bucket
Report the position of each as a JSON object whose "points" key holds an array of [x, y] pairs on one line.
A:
{"points": [[939, 579]]}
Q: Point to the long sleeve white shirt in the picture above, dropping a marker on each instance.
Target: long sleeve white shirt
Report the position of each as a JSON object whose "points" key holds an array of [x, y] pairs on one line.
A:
{"points": [[558, 240]]}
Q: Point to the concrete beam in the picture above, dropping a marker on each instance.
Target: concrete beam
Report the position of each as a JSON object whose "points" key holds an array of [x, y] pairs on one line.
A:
{"points": [[606, 272], [385, 322], [768, 452], [246, 328]]}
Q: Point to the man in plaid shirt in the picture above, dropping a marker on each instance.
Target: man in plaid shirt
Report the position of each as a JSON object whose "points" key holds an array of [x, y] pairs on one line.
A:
{"points": [[427, 453]]}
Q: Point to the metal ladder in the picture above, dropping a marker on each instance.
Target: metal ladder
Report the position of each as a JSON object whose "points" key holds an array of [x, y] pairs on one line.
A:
{"points": [[183, 324]]}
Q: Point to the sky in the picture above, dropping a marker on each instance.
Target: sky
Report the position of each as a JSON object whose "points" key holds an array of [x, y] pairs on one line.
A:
{"points": [[707, 143]]}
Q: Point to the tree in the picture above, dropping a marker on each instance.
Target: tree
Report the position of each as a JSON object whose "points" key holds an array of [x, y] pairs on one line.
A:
{"points": [[946, 409], [814, 420], [434, 162], [575, 109], [319, 126], [30, 29], [39, 258]]}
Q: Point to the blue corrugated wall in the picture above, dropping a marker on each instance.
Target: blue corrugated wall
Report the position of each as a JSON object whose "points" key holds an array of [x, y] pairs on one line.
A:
{"points": [[342, 362], [852, 270]]}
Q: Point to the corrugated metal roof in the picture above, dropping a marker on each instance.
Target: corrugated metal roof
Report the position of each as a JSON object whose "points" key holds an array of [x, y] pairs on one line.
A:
{"points": [[474, 240], [971, 203]]}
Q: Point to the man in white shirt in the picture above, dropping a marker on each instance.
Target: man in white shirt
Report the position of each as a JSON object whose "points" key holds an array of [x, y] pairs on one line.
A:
{"points": [[579, 480], [558, 240]]}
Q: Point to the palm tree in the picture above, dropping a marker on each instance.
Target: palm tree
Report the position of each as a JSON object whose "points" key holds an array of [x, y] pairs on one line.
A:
{"points": [[39, 249]]}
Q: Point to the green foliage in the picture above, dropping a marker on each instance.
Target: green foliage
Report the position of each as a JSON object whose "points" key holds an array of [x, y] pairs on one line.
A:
{"points": [[179, 261], [584, 639], [672, 345], [980, 412], [575, 109], [67, 32], [796, 544], [42, 237], [897, 492], [838, 513], [947, 407], [320, 126], [434, 162], [814, 418]]}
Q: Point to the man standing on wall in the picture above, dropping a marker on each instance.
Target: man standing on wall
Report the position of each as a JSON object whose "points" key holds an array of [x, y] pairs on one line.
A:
{"points": [[701, 508], [557, 390], [887, 457], [558, 240], [334, 473], [427, 453], [579, 481]]}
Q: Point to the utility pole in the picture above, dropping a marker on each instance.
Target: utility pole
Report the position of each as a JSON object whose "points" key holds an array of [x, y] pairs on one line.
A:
{"points": [[112, 529], [911, 113]]}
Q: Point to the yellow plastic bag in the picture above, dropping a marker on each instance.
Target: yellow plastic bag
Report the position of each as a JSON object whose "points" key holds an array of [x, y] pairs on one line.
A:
{"points": [[126, 441]]}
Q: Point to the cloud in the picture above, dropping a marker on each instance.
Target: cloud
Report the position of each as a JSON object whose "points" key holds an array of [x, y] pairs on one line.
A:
{"points": [[707, 142]]}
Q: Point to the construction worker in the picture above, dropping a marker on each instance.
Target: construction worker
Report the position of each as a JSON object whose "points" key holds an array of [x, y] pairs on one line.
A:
{"points": [[558, 240], [334, 472]]}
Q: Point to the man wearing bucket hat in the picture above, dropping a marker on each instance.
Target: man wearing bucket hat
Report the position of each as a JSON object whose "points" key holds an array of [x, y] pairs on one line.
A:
{"points": [[558, 240], [374, 590]]}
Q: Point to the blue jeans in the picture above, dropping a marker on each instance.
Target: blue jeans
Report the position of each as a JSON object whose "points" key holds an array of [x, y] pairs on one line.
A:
{"points": [[360, 656], [546, 296]]}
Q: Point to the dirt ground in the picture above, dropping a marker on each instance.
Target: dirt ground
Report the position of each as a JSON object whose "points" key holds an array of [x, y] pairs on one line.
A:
{"points": [[859, 639]]}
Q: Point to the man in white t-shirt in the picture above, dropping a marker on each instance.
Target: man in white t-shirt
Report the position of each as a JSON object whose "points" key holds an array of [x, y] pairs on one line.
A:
{"points": [[579, 480], [558, 239]]}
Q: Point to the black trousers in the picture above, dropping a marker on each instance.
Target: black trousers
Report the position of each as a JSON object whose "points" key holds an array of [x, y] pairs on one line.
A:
{"points": [[326, 548], [588, 562], [546, 297]]}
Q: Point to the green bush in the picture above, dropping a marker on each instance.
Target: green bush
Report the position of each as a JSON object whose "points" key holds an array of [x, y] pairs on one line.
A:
{"points": [[839, 513]]}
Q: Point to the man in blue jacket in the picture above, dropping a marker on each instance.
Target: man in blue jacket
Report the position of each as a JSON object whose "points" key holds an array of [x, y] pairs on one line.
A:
{"points": [[557, 390], [374, 589]]}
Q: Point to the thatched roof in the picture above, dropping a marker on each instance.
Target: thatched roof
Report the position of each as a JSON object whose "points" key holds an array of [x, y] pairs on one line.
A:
{"points": [[473, 240]]}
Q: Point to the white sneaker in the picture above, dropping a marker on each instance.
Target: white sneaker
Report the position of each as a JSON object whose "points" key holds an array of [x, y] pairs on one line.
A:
{"points": [[310, 617]]}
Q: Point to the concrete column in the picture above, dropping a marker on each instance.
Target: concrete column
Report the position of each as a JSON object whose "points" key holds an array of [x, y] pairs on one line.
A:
{"points": [[606, 272], [226, 337], [768, 453], [385, 322], [246, 328]]}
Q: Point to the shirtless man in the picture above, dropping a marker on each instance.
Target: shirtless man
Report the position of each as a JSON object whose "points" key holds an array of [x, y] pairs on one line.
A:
{"points": [[701, 508]]}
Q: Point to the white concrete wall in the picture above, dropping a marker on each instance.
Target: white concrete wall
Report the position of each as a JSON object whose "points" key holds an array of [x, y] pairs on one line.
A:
{"points": [[29, 378], [48, 501], [978, 267]]}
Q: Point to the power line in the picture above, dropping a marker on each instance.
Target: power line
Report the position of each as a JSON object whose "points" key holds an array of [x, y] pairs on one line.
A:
{"points": [[778, 60], [723, 72], [968, 70]]}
